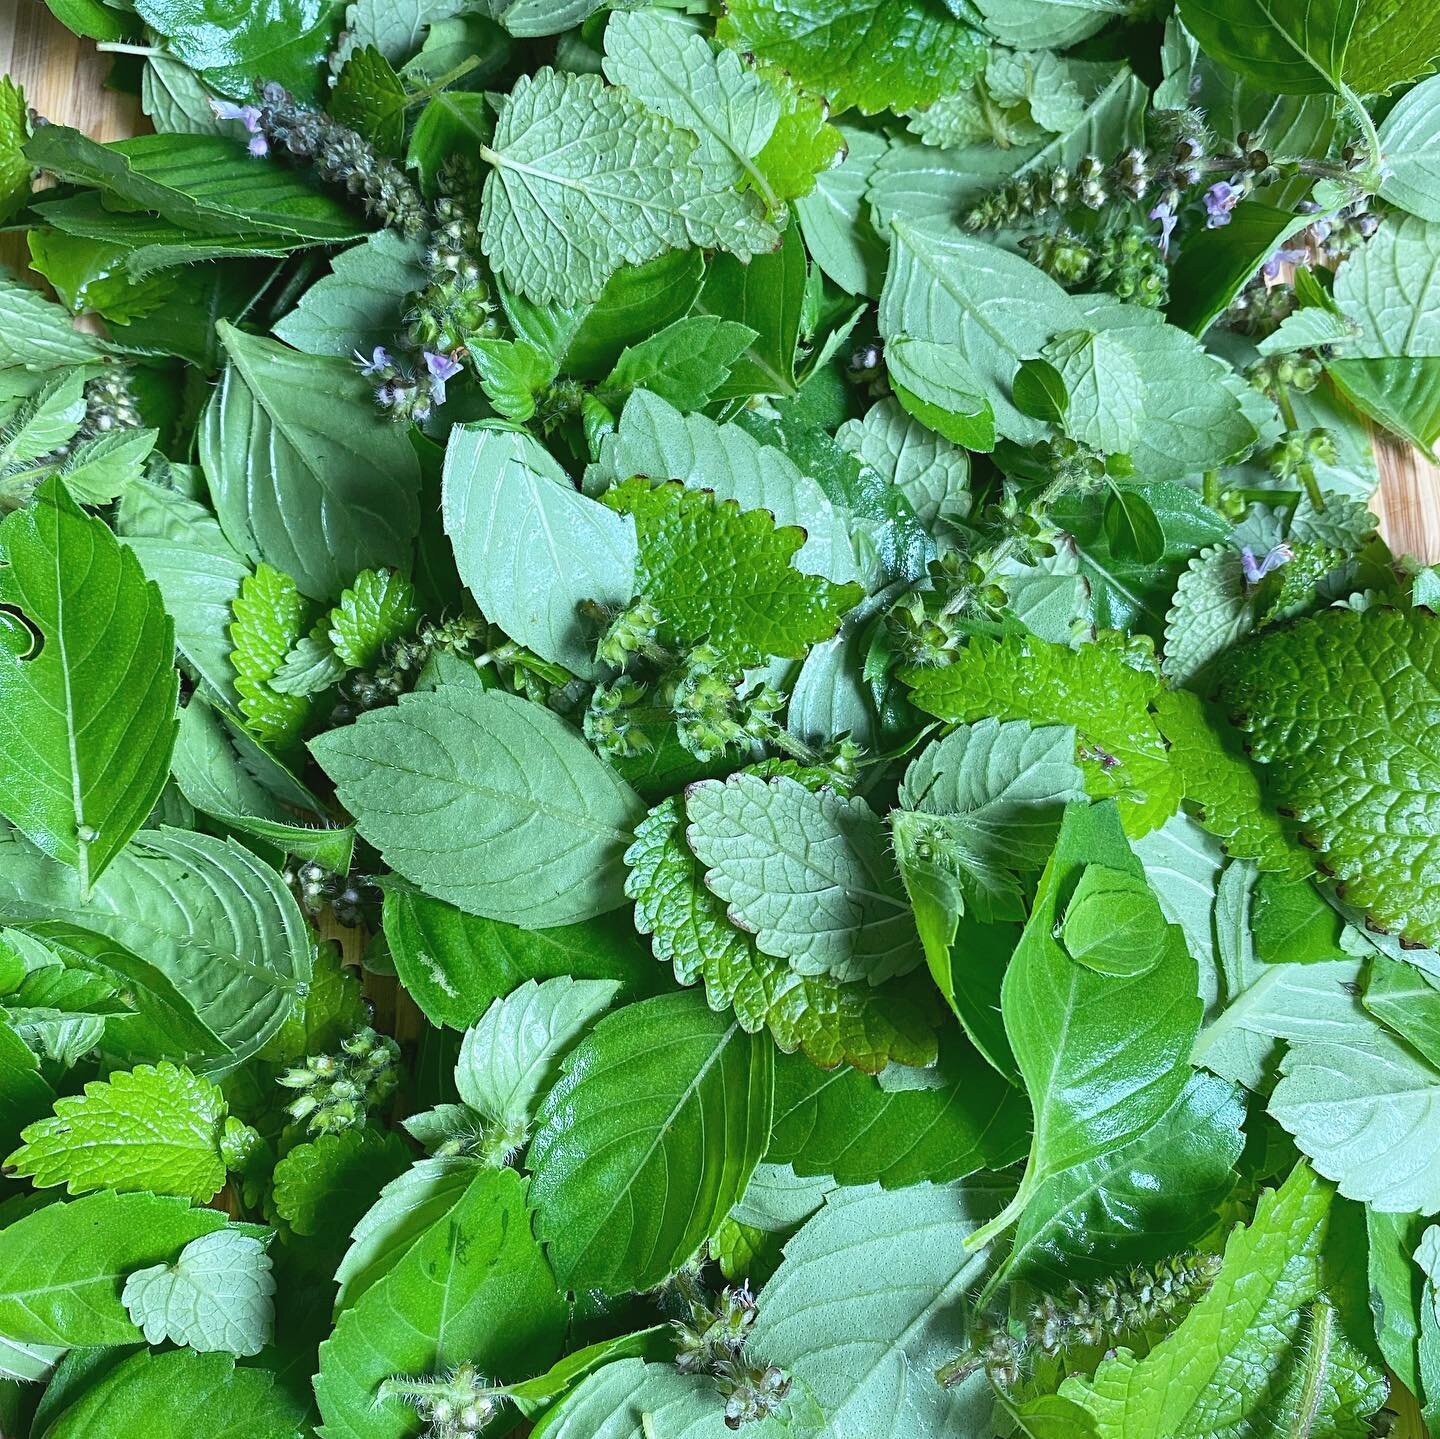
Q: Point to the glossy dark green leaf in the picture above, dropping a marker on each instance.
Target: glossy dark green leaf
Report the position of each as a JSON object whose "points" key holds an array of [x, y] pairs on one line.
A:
{"points": [[647, 1141], [1040, 391], [455, 964], [1132, 527]]}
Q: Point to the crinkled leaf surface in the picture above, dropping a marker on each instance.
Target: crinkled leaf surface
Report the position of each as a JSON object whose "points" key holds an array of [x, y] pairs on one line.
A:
{"points": [[1343, 711], [216, 1295], [807, 873], [156, 1128]]}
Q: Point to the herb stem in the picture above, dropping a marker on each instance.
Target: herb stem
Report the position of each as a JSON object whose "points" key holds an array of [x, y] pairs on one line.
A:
{"points": [[120, 47]]}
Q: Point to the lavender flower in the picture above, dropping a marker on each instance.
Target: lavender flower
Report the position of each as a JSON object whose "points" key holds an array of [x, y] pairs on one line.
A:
{"points": [[1256, 570], [379, 360], [249, 117], [441, 368], [1220, 199], [1271, 268], [1164, 212]]}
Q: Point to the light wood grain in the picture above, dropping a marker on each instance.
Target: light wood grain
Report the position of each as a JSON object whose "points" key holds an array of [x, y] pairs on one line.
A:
{"points": [[64, 80]]}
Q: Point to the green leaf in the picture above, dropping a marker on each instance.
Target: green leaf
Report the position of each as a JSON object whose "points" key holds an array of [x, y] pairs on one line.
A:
{"points": [[1396, 1291], [37, 334], [1113, 924], [804, 144], [510, 1057], [935, 383], [371, 99], [835, 219], [513, 374], [1400, 395], [831, 1022], [1190, 417], [304, 472], [1355, 795], [1404, 998], [487, 801], [946, 286], [182, 1395], [1390, 45], [1263, 1345], [529, 548], [1391, 290], [156, 1128], [932, 473], [647, 1141], [1100, 1068], [213, 777], [216, 922], [637, 300], [361, 303], [454, 964], [872, 54], [408, 1206], [621, 1400], [1295, 47], [1213, 611], [1131, 527], [1103, 386], [586, 179], [868, 1303], [1001, 789], [723, 575], [216, 1296], [207, 189], [654, 438], [1039, 390], [1091, 688], [91, 715], [378, 608], [281, 40], [14, 167], [475, 1288], [1217, 776], [1149, 1199], [686, 363], [963, 1118], [674, 71], [1256, 1003], [808, 873], [1409, 137], [324, 1186], [61, 1267], [1365, 1109], [767, 295], [181, 548], [269, 615]]}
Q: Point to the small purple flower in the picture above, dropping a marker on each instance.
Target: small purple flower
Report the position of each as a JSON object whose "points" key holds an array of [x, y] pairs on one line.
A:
{"points": [[249, 117], [1220, 199], [1271, 268], [442, 368], [1165, 214], [1256, 570], [379, 360]]}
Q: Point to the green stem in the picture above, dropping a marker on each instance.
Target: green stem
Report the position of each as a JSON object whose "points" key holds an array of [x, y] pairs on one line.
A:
{"points": [[428, 92], [119, 47], [1211, 492], [1312, 486], [1370, 180]]}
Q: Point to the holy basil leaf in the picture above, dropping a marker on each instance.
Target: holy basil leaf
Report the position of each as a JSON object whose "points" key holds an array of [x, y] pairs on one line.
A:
{"points": [[529, 548], [532, 824], [659, 1118], [474, 1288], [304, 472], [1095, 1080], [88, 684]]}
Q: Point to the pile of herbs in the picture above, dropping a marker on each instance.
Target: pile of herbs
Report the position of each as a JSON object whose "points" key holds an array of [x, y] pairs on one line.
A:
{"points": [[703, 729]]}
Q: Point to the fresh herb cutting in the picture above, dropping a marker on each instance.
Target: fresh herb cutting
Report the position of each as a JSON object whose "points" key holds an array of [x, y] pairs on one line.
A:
{"points": [[704, 730]]}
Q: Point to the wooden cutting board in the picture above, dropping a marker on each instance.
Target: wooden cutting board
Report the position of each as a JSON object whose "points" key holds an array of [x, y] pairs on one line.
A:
{"points": [[64, 77]]}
